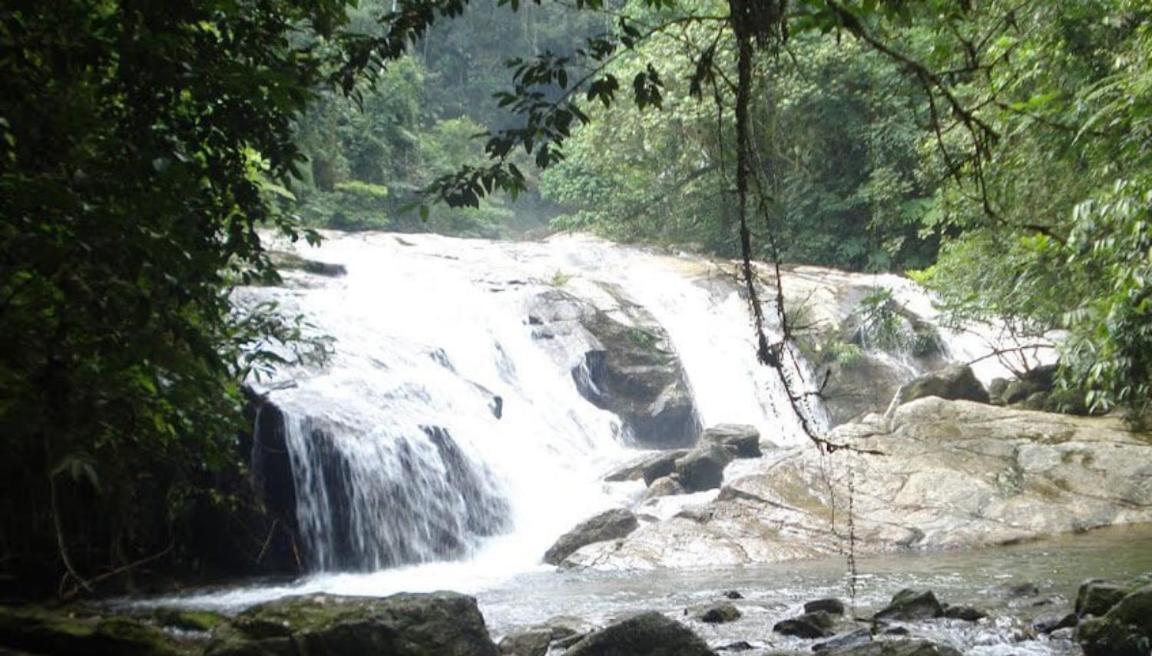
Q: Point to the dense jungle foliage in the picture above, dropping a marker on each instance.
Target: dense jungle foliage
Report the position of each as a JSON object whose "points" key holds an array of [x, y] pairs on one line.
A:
{"points": [[998, 149]]}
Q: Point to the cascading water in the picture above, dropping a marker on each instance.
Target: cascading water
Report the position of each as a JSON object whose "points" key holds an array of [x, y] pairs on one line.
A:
{"points": [[443, 418]]}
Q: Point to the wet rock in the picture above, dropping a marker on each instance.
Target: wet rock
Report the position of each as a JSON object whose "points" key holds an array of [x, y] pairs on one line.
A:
{"points": [[1098, 597], [634, 470], [741, 440], [1125, 630], [703, 468], [284, 261], [405, 624], [663, 487], [733, 594], [40, 631], [646, 634], [531, 642], [637, 376], [1054, 623], [844, 641], [956, 382], [965, 613], [740, 645], [1020, 590], [661, 465], [808, 626], [608, 525], [829, 605], [896, 631], [720, 614], [911, 604], [896, 648]]}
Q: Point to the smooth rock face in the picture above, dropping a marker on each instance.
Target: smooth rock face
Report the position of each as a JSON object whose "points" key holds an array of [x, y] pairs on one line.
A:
{"points": [[955, 382], [954, 474], [647, 634], [741, 440], [608, 525], [703, 468], [443, 623]]}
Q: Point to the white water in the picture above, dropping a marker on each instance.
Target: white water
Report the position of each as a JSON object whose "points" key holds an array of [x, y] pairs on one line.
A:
{"points": [[405, 473]]}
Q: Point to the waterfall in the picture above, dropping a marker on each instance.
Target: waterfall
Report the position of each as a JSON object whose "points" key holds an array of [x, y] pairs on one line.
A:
{"points": [[450, 423]]}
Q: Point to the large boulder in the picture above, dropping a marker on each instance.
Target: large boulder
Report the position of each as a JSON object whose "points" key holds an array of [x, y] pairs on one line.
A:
{"points": [[955, 383], [741, 440], [608, 525], [703, 468], [646, 634], [530, 642], [439, 623], [954, 474], [636, 375], [1125, 630], [817, 624]]}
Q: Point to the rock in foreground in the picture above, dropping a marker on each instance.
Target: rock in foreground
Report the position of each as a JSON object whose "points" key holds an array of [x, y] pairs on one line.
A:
{"points": [[647, 634], [439, 623]]}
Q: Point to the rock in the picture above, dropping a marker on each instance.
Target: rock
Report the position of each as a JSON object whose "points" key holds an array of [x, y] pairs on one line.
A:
{"points": [[637, 376], [741, 440], [661, 465], [896, 631], [663, 487], [41, 631], [956, 382], [1018, 391], [531, 642], [808, 626], [1125, 630], [720, 614], [188, 620], [404, 624], [955, 475], [703, 468], [733, 594], [1098, 597], [634, 470], [911, 604], [996, 390], [646, 634], [1055, 623], [966, 613], [739, 645], [844, 641], [896, 648], [284, 261], [829, 605], [1020, 590], [608, 525]]}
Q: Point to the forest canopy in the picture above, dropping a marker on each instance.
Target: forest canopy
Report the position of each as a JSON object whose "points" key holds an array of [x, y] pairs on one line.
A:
{"points": [[999, 150]]}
